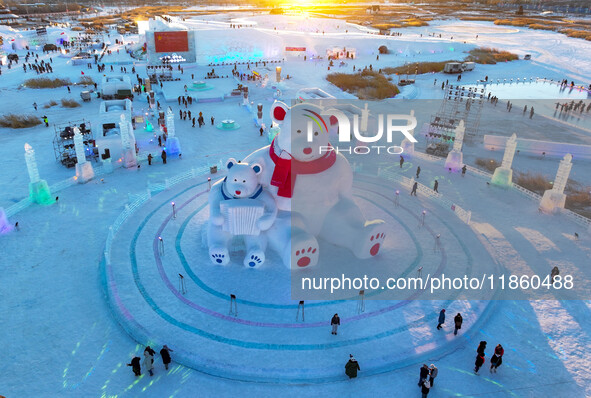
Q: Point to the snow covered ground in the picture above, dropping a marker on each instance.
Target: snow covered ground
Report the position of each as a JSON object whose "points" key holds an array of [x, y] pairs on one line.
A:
{"points": [[65, 333]]}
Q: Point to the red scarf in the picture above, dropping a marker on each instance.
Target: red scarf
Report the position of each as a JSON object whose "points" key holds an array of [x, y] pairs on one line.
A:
{"points": [[284, 175]]}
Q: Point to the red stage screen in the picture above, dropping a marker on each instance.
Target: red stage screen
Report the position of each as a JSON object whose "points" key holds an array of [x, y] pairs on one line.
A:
{"points": [[167, 42]]}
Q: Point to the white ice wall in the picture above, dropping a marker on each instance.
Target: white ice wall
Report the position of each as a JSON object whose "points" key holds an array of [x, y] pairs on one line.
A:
{"points": [[535, 147]]}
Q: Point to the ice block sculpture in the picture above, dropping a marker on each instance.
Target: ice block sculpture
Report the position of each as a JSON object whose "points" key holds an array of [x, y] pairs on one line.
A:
{"points": [[554, 199], [503, 175], [408, 147], [173, 146], [127, 142], [84, 170], [455, 159], [5, 226], [38, 189]]}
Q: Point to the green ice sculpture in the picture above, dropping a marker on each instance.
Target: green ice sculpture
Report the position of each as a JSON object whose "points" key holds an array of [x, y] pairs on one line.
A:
{"points": [[273, 131], [39, 193], [38, 189], [149, 126]]}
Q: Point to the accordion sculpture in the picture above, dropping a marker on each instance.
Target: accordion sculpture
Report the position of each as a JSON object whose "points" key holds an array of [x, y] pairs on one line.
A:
{"points": [[241, 216]]}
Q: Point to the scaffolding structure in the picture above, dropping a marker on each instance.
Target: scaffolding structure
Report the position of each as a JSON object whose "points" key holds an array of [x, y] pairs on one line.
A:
{"points": [[459, 103], [63, 142]]}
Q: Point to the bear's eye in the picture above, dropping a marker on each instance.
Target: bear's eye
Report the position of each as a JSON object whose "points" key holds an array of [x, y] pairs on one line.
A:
{"points": [[299, 131], [316, 133]]}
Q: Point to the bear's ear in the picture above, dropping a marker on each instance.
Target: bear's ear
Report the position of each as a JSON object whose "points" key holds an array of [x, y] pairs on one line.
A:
{"points": [[279, 111], [257, 168], [231, 162]]}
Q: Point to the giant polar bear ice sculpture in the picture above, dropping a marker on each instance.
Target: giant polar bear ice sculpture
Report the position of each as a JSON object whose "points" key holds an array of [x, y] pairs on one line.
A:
{"points": [[240, 190], [313, 191]]}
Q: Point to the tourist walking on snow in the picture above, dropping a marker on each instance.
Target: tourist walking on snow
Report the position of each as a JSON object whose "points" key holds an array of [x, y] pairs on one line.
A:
{"points": [[163, 156], [165, 354], [435, 186], [479, 356], [554, 273], [149, 362], [458, 323], [352, 367], [463, 170], [423, 374], [481, 348], [418, 171], [441, 319], [401, 161], [433, 372], [135, 366], [335, 322], [478, 363], [497, 359], [414, 189]]}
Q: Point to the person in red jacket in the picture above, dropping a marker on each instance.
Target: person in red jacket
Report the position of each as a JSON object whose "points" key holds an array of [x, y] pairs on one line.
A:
{"points": [[497, 359]]}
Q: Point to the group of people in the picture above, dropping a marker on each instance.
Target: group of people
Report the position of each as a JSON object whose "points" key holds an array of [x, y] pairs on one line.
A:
{"points": [[185, 100], [458, 320], [570, 106], [495, 361], [148, 362], [38, 67], [427, 377]]}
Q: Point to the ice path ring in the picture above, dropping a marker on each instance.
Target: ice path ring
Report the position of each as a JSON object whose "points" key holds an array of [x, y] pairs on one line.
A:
{"points": [[265, 342]]}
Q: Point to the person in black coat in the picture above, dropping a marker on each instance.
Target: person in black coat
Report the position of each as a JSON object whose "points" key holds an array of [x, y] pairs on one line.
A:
{"points": [[165, 354], [163, 156], [352, 367], [335, 322], [424, 374], [479, 362], [481, 348], [441, 319], [458, 323], [135, 366]]}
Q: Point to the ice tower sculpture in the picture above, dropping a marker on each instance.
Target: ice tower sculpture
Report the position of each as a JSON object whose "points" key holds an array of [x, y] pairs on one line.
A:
{"points": [[455, 159], [84, 170], [554, 199], [173, 146], [408, 147], [127, 142], [38, 189], [503, 175], [259, 118], [364, 118]]}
